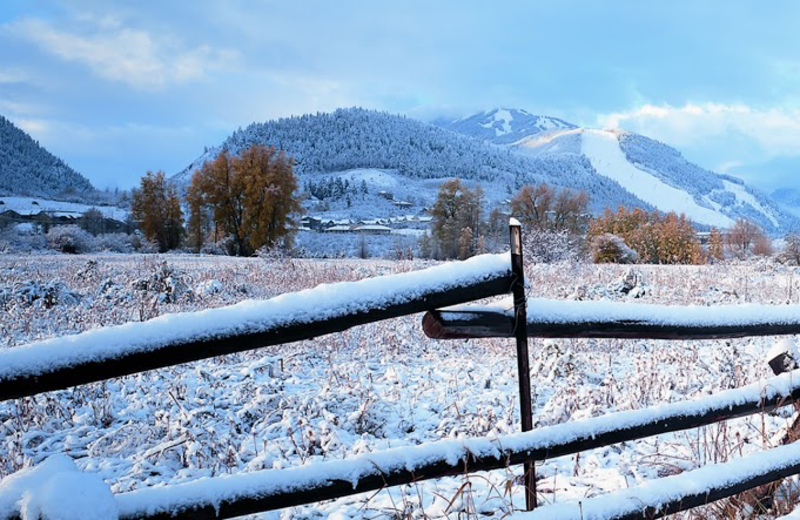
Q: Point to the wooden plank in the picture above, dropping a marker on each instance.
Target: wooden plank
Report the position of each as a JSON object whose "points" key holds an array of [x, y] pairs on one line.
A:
{"points": [[462, 324], [442, 466], [132, 363]]}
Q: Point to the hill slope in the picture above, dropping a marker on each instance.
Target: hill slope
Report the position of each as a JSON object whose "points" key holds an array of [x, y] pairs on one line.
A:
{"points": [[788, 199], [27, 169], [662, 177]]}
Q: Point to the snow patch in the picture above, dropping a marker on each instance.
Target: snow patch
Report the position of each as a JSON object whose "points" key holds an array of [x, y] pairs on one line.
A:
{"points": [[33, 206], [56, 490]]}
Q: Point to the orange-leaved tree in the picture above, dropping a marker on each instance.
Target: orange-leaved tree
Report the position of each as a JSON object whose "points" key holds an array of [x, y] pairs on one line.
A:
{"points": [[156, 207], [656, 238], [251, 199]]}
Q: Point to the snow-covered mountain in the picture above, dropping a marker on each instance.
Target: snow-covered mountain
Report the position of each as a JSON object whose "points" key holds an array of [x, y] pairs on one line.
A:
{"points": [[27, 169], [615, 168], [788, 199], [660, 176], [503, 125], [412, 151]]}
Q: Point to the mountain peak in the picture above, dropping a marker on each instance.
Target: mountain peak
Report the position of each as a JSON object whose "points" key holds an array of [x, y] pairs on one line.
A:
{"points": [[504, 125]]}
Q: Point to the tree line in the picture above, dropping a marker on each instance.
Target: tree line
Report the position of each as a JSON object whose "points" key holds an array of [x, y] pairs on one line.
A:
{"points": [[246, 202], [558, 227]]}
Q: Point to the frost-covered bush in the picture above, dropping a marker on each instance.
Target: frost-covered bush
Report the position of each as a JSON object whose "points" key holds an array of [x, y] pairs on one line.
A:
{"points": [[140, 244], [611, 249], [544, 246], [114, 242], [790, 254], [46, 294], [168, 283], [212, 248], [70, 239], [13, 242]]}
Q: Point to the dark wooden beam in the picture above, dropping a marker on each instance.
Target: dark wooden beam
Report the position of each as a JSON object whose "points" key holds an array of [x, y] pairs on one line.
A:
{"points": [[60, 377], [461, 324], [442, 466]]}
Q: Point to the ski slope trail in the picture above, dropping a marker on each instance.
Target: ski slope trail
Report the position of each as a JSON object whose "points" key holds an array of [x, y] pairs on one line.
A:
{"points": [[602, 149]]}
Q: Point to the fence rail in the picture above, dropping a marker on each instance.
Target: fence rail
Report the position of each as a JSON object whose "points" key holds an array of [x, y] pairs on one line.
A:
{"points": [[670, 495], [128, 349], [593, 319]]}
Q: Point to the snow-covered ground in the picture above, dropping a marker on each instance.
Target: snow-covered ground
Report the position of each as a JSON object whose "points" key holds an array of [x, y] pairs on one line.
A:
{"points": [[374, 387]]}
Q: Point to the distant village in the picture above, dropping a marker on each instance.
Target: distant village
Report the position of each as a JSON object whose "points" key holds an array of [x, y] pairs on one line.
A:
{"points": [[378, 226]]}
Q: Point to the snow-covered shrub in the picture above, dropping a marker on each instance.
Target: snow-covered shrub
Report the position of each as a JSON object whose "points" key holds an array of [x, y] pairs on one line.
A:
{"points": [[541, 246], [140, 244], [630, 284], [114, 242], [47, 294], [790, 255], [611, 249], [11, 241], [169, 284], [70, 239], [212, 248], [209, 288]]}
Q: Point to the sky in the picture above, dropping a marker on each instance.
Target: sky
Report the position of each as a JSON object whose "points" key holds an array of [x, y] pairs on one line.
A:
{"points": [[116, 88]]}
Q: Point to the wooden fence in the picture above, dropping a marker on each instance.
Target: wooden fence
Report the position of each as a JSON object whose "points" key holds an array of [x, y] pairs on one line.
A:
{"points": [[231, 496]]}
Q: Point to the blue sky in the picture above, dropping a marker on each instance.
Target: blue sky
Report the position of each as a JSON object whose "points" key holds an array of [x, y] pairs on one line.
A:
{"points": [[116, 88]]}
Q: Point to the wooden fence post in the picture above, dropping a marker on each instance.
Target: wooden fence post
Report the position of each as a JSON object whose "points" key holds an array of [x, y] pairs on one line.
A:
{"points": [[523, 362]]}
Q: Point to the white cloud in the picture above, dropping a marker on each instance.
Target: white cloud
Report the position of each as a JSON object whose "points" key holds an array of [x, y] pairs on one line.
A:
{"points": [[33, 126], [12, 76], [131, 56], [776, 131]]}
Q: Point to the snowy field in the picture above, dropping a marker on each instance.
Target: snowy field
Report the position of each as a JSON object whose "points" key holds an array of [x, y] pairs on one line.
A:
{"points": [[374, 387]]}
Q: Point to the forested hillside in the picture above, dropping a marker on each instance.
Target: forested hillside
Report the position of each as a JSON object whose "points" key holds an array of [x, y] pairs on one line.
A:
{"points": [[356, 138], [27, 169]]}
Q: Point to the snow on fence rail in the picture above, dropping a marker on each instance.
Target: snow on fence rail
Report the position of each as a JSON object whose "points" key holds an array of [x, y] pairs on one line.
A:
{"points": [[600, 319], [670, 495], [179, 338]]}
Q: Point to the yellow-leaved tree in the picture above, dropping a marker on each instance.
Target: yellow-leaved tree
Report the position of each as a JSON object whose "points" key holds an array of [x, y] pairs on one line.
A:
{"points": [[156, 208], [250, 199]]}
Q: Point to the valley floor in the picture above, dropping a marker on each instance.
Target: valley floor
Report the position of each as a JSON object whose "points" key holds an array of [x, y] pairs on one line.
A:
{"points": [[373, 387]]}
